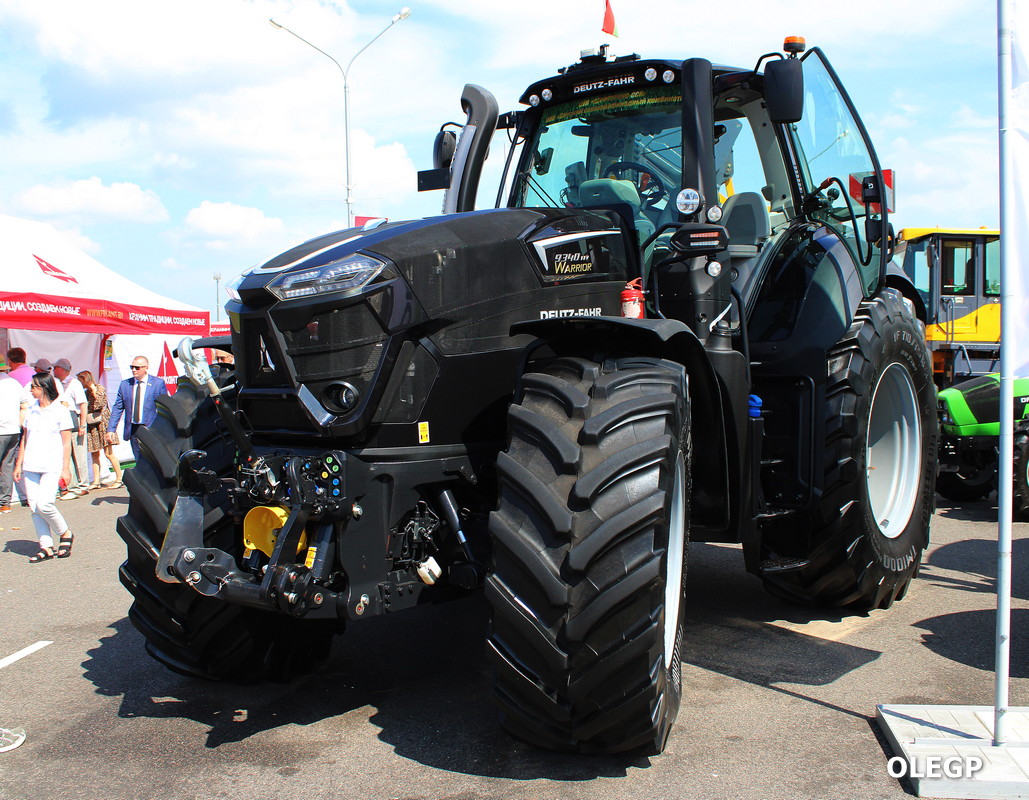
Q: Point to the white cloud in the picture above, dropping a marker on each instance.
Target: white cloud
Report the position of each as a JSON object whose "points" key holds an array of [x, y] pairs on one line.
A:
{"points": [[172, 265], [951, 179], [170, 102], [110, 38], [76, 238], [227, 225], [91, 199]]}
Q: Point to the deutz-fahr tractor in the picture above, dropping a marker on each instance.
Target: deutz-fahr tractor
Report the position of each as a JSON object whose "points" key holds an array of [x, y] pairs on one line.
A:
{"points": [[425, 408], [970, 434]]}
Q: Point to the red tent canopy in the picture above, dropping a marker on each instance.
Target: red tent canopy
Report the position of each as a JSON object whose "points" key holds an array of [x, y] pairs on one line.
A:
{"points": [[49, 284]]}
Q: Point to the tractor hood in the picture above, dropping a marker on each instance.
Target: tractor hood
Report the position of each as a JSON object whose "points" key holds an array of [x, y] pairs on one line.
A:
{"points": [[321, 331], [972, 408]]}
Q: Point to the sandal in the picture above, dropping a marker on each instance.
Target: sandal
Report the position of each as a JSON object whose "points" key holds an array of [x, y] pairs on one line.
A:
{"points": [[65, 543], [96, 485], [116, 485], [43, 555]]}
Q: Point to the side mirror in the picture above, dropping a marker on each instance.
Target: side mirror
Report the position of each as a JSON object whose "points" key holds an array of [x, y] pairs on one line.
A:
{"points": [[542, 160], [874, 230], [699, 239], [784, 90], [932, 256], [443, 149]]}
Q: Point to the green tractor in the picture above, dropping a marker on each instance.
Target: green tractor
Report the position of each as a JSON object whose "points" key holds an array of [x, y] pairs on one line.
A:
{"points": [[970, 429]]}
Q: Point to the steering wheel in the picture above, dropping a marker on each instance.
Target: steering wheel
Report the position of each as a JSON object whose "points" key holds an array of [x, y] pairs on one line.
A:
{"points": [[650, 187]]}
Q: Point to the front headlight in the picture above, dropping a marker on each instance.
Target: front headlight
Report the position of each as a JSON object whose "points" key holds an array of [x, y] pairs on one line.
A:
{"points": [[350, 274], [232, 289]]}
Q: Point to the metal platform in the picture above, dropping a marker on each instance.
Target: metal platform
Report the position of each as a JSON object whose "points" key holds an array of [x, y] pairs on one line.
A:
{"points": [[940, 745]]}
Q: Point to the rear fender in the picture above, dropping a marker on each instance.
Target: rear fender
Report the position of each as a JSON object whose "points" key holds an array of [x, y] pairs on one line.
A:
{"points": [[662, 338]]}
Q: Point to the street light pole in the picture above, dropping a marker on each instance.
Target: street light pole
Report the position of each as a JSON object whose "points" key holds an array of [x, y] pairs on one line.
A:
{"points": [[404, 13], [217, 296]]}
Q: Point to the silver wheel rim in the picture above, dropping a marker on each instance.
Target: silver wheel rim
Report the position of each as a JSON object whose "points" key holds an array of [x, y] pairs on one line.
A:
{"points": [[894, 451], [675, 552]]}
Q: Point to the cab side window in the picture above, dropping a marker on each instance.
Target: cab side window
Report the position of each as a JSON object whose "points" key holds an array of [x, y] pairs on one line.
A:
{"points": [[957, 267], [753, 187], [916, 267], [992, 276]]}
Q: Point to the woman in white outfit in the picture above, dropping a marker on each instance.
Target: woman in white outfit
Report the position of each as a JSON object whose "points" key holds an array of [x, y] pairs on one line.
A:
{"points": [[45, 458]]}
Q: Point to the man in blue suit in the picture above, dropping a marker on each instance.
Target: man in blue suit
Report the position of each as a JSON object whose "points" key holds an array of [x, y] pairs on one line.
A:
{"points": [[137, 402]]}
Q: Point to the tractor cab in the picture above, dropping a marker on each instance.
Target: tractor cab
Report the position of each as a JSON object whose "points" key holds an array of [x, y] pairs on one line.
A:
{"points": [[660, 143], [957, 275]]}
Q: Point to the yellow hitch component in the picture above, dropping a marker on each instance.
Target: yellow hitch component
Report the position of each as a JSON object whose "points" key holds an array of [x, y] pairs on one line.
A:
{"points": [[261, 528]]}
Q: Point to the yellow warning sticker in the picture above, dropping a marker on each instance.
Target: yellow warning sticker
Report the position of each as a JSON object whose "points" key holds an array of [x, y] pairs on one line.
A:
{"points": [[423, 433], [312, 553]]}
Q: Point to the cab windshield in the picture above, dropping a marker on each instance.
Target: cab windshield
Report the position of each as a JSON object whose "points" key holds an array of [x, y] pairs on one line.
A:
{"points": [[623, 148]]}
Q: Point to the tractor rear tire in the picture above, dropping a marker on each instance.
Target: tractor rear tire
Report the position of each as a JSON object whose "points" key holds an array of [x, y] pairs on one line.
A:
{"points": [[189, 633], [1020, 494], [967, 488], [587, 586], [867, 533]]}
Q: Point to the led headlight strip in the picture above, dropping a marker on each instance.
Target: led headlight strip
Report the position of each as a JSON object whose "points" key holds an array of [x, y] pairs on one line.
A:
{"points": [[350, 274]]}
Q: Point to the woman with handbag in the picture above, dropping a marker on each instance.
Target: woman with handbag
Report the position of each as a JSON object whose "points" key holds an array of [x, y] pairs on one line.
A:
{"points": [[98, 415]]}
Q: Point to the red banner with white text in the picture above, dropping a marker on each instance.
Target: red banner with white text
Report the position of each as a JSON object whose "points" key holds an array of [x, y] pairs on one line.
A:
{"points": [[96, 315]]}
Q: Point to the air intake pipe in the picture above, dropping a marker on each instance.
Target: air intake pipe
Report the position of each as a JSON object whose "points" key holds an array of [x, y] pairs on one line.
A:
{"points": [[472, 147]]}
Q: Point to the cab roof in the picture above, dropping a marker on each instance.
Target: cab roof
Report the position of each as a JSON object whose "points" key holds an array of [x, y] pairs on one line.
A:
{"points": [[909, 234]]}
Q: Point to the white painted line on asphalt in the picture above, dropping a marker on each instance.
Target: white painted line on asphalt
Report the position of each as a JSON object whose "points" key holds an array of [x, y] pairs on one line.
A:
{"points": [[28, 651]]}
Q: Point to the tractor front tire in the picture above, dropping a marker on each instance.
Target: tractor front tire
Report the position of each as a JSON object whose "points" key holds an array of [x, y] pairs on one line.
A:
{"points": [[866, 535], [189, 633], [962, 488], [587, 586]]}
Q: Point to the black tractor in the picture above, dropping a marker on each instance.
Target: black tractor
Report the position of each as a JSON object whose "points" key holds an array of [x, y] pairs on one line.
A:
{"points": [[425, 408]]}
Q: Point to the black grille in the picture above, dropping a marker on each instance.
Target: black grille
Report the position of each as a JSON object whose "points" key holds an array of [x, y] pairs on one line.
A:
{"points": [[270, 413], [344, 346], [345, 343]]}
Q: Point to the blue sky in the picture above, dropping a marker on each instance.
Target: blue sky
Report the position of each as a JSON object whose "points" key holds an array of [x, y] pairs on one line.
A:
{"points": [[176, 140]]}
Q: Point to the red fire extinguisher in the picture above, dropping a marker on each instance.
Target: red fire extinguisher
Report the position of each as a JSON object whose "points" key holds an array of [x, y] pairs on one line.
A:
{"points": [[632, 299]]}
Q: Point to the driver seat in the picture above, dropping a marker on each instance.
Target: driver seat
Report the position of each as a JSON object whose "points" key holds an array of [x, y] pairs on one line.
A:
{"points": [[745, 217], [609, 192]]}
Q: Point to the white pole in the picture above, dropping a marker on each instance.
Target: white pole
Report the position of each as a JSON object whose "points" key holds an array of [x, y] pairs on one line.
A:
{"points": [[404, 13], [1008, 263]]}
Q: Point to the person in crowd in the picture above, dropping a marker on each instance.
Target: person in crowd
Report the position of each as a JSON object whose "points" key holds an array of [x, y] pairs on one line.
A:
{"points": [[44, 459], [137, 402], [20, 371], [42, 365], [98, 416], [74, 397], [222, 362], [10, 434]]}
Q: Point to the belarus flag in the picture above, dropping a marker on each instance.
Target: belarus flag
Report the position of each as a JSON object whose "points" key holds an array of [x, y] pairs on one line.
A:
{"points": [[609, 25]]}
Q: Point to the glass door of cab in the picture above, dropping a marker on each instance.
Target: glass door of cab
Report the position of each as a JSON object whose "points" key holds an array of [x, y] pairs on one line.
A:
{"points": [[836, 161]]}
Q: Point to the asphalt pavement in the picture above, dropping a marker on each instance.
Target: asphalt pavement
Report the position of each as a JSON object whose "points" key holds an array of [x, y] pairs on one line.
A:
{"points": [[779, 700]]}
